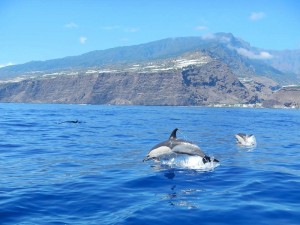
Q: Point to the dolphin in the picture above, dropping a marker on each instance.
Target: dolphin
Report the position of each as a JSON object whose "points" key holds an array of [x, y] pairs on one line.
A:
{"points": [[70, 121], [173, 147], [245, 139]]}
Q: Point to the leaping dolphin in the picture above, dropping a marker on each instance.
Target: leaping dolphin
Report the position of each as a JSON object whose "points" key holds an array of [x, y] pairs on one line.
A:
{"points": [[173, 146], [245, 139]]}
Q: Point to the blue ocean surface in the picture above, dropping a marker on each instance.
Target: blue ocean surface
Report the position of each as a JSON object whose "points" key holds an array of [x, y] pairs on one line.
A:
{"points": [[83, 164]]}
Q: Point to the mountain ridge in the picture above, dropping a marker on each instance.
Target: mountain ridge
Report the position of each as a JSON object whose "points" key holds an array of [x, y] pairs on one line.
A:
{"points": [[243, 59], [202, 71], [194, 85]]}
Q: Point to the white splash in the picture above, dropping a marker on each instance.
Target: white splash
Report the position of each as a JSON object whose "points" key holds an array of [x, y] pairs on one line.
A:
{"points": [[190, 162]]}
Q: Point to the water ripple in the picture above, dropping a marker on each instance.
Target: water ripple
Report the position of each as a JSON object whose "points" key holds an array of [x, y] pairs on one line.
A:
{"points": [[92, 172]]}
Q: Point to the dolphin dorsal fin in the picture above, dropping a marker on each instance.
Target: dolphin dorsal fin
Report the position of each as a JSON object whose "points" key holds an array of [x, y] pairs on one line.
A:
{"points": [[173, 134]]}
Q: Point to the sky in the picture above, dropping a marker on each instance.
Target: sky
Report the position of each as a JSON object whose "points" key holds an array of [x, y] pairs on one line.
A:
{"points": [[48, 29]]}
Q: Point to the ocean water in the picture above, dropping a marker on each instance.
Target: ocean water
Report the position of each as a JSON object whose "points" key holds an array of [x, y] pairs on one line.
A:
{"points": [[57, 172]]}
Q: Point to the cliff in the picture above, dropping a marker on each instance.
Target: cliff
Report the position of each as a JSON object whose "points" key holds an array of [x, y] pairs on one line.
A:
{"points": [[286, 97], [212, 82]]}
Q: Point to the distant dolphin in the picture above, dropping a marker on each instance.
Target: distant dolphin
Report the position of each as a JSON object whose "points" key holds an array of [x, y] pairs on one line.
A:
{"points": [[245, 139], [70, 121], [173, 146]]}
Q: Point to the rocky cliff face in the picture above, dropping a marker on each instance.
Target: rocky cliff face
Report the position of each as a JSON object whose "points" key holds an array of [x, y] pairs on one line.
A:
{"points": [[212, 82], [288, 97], [61, 89], [261, 87], [139, 89]]}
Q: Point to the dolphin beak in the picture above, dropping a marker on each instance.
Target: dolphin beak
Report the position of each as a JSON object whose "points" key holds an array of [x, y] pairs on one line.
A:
{"points": [[146, 158]]}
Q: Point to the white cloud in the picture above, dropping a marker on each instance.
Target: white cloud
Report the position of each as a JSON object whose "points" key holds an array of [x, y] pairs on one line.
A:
{"points": [[265, 55], [225, 39], [71, 25], [131, 30], [253, 55], [82, 40], [211, 36], [6, 64], [201, 28], [208, 36], [257, 16]]}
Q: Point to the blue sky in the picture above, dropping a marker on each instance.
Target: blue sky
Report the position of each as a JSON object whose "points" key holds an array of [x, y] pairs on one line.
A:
{"points": [[48, 29]]}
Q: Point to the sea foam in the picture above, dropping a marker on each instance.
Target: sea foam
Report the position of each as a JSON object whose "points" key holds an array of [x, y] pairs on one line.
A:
{"points": [[190, 162]]}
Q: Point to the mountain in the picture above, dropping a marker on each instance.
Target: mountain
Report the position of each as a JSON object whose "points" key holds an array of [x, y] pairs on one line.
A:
{"points": [[211, 83], [138, 53], [286, 97], [215, 70], [287, 60], [244, 60]]}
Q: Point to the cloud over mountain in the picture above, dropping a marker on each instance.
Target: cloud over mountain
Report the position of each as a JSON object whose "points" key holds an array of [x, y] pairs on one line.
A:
{"points": [[6, 64], [252, 55]]}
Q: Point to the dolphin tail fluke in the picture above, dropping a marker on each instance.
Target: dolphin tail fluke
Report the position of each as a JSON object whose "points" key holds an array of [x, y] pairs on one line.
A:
{"points": [[215, 160]]}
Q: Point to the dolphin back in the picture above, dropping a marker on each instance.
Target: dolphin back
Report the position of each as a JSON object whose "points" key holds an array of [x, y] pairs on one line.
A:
{"points": [[188, 148], [174, 146]]}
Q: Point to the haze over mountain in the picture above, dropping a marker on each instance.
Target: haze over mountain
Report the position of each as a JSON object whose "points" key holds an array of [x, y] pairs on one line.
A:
{"points": [[240, 56], [209, 70]]}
